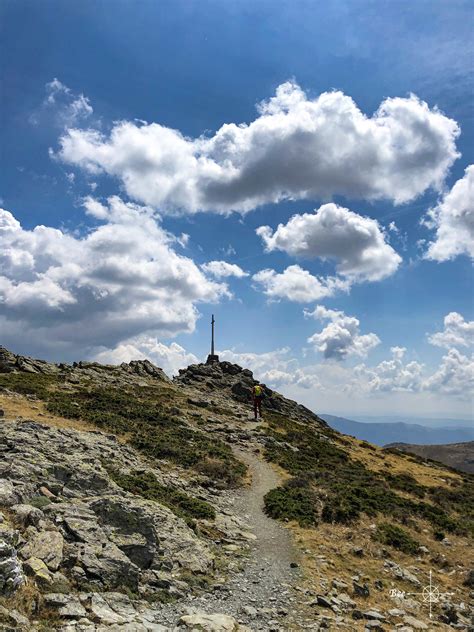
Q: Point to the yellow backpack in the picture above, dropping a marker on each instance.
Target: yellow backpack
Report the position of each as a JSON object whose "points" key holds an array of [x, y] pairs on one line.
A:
{"points": [[257, 390]]}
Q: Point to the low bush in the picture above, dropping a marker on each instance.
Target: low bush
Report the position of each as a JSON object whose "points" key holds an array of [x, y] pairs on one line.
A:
{"points": [[144, 484], [293, 501], [397, 537]]}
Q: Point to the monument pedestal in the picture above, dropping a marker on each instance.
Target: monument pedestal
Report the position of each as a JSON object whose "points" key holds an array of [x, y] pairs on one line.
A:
{"points": [[212, 359]]}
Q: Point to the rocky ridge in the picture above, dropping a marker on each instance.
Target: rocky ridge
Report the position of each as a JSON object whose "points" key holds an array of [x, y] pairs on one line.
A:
{"points": [[99, 533]]}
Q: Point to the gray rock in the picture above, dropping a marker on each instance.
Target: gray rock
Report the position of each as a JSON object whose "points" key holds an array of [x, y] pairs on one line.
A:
{"points": [[47, 546], [8, 494], [27, 515], [373, 615], [11, 572], [14, 619], [361, 590], [416, 624], [212, 622], [68, 606], [36, 568]]}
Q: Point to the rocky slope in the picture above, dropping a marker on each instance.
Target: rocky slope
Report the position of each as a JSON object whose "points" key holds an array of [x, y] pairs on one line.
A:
{"points": [[133, 502]]}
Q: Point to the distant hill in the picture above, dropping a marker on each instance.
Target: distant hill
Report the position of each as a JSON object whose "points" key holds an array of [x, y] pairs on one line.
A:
{"points": [[383, 433], [431, 422], [457, 455]]}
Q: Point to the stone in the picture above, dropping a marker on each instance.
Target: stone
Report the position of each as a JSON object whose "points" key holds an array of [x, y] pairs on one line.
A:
{"points": [[11, 572], [373, 625], [68, 606], [361, 590], [323, 601], [27, 515], [212, 622], [8, 495], [373, 615], [416, 624], [396, 612], [13, 618], [469, 579], [40, 572], [47, 546], [102, 612], [44, 491]]}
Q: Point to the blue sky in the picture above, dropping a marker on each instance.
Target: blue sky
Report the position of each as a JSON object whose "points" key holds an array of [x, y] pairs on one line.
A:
{"points": [[112, 133]]}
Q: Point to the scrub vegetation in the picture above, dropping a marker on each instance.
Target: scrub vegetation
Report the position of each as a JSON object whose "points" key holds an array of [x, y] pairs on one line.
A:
{"points": [[347, 489]]}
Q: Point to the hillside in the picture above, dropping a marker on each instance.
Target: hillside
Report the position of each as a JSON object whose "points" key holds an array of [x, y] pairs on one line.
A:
{"points": [[457, 455], [398, 432], [130, 501]]}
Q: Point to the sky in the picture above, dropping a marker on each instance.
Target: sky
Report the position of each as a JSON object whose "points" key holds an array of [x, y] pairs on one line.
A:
{"points": [[301, 170]]}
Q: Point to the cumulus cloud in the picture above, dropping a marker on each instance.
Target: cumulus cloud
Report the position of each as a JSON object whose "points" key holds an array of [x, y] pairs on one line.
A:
{"points": [[69, 109], [296, 148], [455, 376], [297, 284], [341, 337], [275, 368], [170, 357], [332, 232], [457, 332], [392, 375], [221, 269], [453, 220], [121, 279]]}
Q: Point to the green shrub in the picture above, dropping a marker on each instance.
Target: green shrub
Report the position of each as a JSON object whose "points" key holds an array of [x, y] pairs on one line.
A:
{"points": [[150, 428], [144, 484], [350, 489], [397, 537], [293, 501]]}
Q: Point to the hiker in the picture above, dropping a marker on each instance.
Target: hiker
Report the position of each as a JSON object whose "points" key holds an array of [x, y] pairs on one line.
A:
{"points": [[258, 395]]}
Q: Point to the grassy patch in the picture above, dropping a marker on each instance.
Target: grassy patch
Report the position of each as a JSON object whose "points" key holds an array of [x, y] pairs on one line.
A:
{"points": [[28, 383], [151, 429], [397, 537], [140, 413], [293, 501], [349, 489], [144, 484]]}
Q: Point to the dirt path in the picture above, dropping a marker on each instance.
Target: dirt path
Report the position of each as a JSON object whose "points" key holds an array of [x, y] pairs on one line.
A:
{"points": [[262, 594]]}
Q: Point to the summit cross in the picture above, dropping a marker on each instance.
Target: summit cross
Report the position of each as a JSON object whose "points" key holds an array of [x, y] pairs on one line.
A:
{"points": [[212, 357]]}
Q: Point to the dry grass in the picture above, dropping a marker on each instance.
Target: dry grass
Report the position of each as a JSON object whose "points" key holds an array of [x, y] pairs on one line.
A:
{"points": [[379, 460], [25, 600], [335, 542], [18, 406]]}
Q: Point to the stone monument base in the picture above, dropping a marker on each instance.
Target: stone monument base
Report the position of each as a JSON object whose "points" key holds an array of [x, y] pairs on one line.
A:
{"points": [[212, 359]]}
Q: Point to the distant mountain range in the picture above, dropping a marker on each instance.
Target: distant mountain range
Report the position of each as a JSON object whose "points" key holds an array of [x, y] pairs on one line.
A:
{"points": [[431, 422], [399, 432], [458, 455]]}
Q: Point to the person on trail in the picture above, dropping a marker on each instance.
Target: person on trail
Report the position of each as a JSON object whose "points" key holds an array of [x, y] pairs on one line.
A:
{"points": [[257, 396]]}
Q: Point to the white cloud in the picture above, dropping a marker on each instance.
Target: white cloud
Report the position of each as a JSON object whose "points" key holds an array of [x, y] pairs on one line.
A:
{"points": [[221, 269], [274, 368], [296, 284], [457, 332], [341, 337], [296, 148], [332, 232], [389, 376], [170, 358], [453, 220], [69, 109], [121, 279], [455, 376]]}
